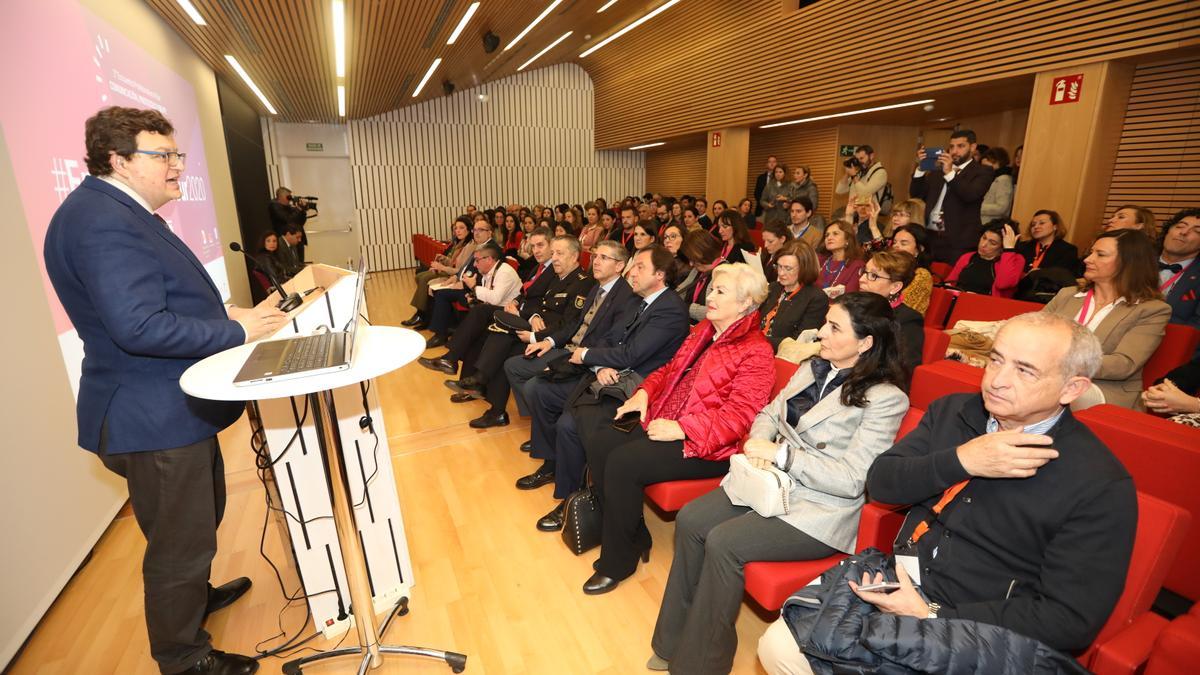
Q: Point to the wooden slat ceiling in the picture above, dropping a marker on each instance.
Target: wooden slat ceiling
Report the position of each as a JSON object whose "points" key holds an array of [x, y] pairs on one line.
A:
{"points": [[287, 46], [712, 63]]}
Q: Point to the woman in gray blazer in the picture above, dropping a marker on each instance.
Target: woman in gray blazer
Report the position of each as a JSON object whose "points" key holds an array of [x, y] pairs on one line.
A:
{"points": [[840, 410]]}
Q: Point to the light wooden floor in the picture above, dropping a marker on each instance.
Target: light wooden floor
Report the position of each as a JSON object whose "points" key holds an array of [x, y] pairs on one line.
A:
{"points": [[488, 584]]}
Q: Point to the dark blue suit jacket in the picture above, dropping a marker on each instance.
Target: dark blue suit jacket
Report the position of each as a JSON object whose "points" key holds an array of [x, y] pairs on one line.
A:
{"points": [[615, 305], [145, 309], [646, 343], [1183, 298]]}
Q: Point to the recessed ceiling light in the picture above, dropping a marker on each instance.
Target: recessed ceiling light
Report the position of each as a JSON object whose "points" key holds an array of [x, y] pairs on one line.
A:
{"points": [[339, 37], [648, 145], [530, 26], [847, 114], [237, 68], [428, 74], [193, 14], [650, 15], [462, 23], [550, 46], [341, 100]]}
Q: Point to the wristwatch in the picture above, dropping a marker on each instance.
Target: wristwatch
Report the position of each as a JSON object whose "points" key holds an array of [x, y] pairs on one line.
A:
{"points": [[934, 608]]}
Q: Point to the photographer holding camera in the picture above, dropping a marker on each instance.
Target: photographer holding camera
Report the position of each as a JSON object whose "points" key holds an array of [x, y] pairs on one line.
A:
{"points": [[865, 177], [286, 210]]}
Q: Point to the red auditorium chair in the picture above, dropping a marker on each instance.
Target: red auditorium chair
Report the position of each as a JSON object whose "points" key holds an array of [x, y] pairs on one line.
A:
{"points": [[756, 237], [941, 301], [940, 271], [1164, 459], [976, 307], [1176, 349], [1160, 532], [585, 259], [936, 342], [1177, 650], [672, 495], [934, 380], [770, 583]]}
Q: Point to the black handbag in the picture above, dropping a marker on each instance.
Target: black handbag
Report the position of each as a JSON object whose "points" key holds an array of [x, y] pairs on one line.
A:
{"points": [[582, 520]]}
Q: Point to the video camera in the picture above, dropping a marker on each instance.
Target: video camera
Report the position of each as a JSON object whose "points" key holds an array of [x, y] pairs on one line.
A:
{"points": [[308, 203]]}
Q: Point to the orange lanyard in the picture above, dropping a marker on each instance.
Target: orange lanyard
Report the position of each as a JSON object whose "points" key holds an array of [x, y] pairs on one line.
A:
{"points": [[947, 497], [775, 310], [1038, 255]]}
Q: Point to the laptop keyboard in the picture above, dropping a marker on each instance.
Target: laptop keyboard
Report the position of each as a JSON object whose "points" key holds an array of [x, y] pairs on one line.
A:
{"points": [[308, 353]]}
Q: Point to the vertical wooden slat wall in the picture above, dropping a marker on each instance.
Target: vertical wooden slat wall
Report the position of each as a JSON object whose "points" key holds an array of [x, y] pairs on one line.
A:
{"points": [[416, 168], [1158, 161], [677, 171], [814, 148]]}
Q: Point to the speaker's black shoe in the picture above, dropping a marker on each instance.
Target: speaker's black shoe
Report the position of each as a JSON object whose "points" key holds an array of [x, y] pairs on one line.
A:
{"points": [[225, 595], [462, 398], [553, 521], [543, 476], [598, 584], [527, 447], [413, 320], [435, 340], [442, 365], [490, 419], [220, 663]]}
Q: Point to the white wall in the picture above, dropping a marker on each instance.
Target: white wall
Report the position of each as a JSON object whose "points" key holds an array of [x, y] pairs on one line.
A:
{"points": [[531, 142]]}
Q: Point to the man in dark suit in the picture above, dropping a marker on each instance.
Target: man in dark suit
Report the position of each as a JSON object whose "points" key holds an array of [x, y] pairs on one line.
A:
{"points": [[283, 212], [760, 184], [1179, 267], [640, 342], [146, 309], [603, 307], [953, 192]]}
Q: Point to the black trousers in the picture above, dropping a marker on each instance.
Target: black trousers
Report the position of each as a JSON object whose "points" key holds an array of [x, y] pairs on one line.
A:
{"points": [[442, 313], [622, 466], [178, 499], [468, 339], [714, 540], [569, 455]]}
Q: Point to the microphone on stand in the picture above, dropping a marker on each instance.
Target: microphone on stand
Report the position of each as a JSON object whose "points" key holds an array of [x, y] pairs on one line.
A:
{"points": [[288, 301]]}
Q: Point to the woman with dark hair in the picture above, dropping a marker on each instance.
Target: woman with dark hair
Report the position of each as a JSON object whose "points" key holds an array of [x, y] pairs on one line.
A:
{"points": [[701, 251], [795, 302], [691, 220], [1120, 302], [644, 234], [681, 270], [1132, 217], [594, 231], [526, 261], [735, 238], [573, 220], [511, 234], [802, 185], [839, 412], [267, 254], [745, 209], [840, 256], [694, 411], [775, 236], [1046, 246], [997, 203], [887, 273], [995, 267], [775, 196], [560, 212], [914, 240], [447, 264]]}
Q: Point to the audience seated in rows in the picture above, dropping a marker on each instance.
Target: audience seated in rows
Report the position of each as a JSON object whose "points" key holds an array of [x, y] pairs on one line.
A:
{"points": [[493, 283], [694, 411], [1022, 524], [795, 303], [455, 260], [994, 268], [1120, 303], [833, 418]]}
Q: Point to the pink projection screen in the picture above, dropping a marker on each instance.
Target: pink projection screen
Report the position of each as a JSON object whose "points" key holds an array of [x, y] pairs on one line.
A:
{"points": [[62, 64]]}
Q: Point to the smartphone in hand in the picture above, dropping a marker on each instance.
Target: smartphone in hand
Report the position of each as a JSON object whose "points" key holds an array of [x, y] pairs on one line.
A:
{"points": [[882, 587], [930, 161]]}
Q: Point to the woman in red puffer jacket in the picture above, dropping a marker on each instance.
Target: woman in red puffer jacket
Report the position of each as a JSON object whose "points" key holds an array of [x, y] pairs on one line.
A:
{"points": [[694, 411]]}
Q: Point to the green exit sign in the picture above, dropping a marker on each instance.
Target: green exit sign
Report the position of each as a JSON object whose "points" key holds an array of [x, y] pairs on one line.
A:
{"points": [[320, 147], [843, 150]]}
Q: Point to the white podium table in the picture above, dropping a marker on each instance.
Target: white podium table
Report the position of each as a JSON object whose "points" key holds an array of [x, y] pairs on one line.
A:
{"points": [[378, 350]]}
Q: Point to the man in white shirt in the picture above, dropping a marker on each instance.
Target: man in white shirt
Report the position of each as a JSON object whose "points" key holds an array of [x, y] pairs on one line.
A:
{"points": [[495, 282]]}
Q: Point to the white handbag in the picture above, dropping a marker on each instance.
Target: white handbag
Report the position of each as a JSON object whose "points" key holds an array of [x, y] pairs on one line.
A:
{"points": [[764, 490]]}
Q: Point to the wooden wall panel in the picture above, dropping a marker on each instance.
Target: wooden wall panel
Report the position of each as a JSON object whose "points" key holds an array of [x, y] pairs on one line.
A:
{"points": [[762, 64], [1005, 129], [1158, 160], [416, 168], [814, 148], [678, 170]]}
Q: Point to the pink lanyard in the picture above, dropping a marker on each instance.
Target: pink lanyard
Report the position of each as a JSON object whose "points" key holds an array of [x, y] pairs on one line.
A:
{"points": [[1170, 282], [1083, 312]]}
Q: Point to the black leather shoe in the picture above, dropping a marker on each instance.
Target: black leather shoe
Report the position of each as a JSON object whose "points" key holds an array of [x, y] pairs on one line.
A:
{"points": [[598, 584], [423, 325], [442, 365], [553, 521], [490, 419], [220, 663], [537, 479], [224, 596], [435, 340], [463, 384], [463, 398], [527, 447], [413, 320]]}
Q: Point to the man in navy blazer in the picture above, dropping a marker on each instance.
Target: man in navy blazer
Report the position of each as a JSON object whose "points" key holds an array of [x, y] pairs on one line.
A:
{"points": [[642, 340], [1179, 267], [146, 310]]}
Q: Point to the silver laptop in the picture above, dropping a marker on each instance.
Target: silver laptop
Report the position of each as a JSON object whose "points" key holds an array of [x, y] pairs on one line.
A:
{"points": [[305, 355]]}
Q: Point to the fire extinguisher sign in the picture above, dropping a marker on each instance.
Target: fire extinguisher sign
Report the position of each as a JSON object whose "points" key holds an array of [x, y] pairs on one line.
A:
{"points": [[1066, 89]]}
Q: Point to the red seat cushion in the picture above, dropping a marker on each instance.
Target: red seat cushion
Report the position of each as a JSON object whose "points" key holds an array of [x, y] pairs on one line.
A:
{"points": [[673, 495], [935, 380], [1177, 346], [936, 342], [976, 307], [940, 303]]}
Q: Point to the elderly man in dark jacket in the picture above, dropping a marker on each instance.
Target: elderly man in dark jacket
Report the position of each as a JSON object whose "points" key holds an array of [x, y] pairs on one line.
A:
{"points": [[1021, 519]]}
